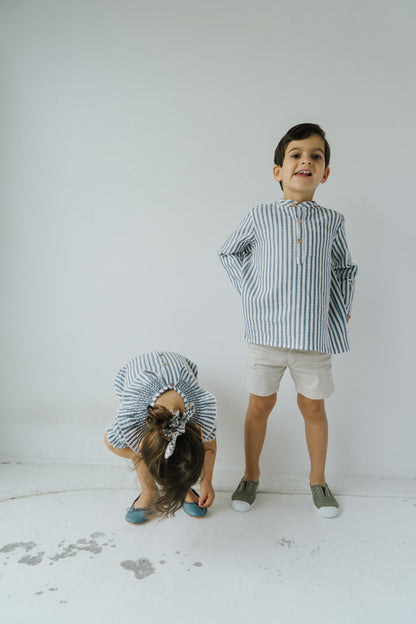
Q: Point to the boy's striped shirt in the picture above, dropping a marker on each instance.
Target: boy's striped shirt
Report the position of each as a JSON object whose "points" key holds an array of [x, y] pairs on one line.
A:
{"points": [[291, 264]]}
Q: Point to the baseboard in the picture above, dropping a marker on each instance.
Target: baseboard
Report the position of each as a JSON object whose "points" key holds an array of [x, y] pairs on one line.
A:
{"points": [[33, 478]]}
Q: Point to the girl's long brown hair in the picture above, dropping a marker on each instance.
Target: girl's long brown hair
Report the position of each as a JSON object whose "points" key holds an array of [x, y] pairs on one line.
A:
{"points": [[181, 470]]}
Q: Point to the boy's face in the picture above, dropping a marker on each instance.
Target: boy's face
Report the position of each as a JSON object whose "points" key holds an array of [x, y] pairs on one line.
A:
{"points": [[303, 168]]}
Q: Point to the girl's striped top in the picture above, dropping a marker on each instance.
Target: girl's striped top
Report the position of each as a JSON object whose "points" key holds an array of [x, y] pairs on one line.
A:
{"points": [[140, 382], [291, 265]]}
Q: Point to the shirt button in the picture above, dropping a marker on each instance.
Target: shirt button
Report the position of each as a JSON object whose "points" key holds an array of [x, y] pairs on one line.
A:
{"points": [[299, 220], [170, 384], [299, 240], [160, 354], [164, 363], [294, 205]]}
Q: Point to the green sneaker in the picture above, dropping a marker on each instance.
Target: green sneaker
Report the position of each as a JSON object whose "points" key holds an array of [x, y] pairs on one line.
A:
{"points": [[244, 496], [324, 501]]}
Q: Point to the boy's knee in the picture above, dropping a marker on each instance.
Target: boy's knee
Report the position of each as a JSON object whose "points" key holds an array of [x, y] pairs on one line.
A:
{"points": [[311, 407], [262, 406]]}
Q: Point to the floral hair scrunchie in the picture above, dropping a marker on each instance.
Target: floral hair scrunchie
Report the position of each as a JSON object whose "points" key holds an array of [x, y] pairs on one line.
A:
{"points": [[176, 427]]}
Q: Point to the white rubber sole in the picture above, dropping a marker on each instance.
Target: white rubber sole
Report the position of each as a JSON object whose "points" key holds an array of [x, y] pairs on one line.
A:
{"points": [[328, 512], [241, 506]]}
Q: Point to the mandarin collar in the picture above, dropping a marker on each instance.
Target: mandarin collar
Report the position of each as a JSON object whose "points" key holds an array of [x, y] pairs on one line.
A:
{"points": [[291, 203]]}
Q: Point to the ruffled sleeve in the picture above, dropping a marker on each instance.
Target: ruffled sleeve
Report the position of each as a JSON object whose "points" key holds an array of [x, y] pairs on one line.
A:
{"points": [[136, 392], [205, 404]]}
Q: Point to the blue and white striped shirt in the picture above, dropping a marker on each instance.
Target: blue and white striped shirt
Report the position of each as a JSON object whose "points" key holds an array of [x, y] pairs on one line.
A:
{"points": [[140, 382], [291, 265]]}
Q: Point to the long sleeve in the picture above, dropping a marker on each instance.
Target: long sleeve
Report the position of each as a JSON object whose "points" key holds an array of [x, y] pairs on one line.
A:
{"points": [[236, 248], [345, 271]]}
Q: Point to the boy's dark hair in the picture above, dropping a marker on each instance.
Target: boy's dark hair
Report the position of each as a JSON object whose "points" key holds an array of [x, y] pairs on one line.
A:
{"points": [[301, 131], [181, 470]]}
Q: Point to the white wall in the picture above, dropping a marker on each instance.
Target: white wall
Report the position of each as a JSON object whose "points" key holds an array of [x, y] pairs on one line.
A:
{"points": [[135, 136]]}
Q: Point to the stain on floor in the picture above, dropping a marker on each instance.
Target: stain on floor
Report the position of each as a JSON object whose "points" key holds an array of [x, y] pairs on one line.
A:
{"points": [[25, 545], [24, 553], [32, 560], [140, 568]]}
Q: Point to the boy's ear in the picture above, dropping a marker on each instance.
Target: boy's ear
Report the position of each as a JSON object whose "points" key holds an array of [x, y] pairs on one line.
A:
{"points": [[277, 172], [326, 174]]}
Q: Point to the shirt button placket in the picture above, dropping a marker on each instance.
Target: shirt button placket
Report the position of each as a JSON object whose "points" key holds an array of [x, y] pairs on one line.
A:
{"points": [[299, 231], [303, 217]]}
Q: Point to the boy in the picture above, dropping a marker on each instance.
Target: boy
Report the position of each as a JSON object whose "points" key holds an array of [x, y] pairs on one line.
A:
{"points": [[290, 263]]}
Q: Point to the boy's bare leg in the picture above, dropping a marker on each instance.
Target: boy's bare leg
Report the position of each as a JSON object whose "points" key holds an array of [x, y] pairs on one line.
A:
{"points": [[316, 429], [147, 483], [258, 411]]}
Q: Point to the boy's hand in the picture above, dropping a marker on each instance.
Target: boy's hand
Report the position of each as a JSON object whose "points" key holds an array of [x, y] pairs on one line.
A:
{"points": [[207, 495]]}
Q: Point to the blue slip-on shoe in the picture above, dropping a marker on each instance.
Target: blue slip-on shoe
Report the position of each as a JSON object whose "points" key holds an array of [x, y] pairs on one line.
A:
{"points": [[194, 510], [140, 515]]}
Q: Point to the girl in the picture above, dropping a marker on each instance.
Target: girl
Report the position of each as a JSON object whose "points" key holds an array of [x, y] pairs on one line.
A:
{"points": [[166, 424]]}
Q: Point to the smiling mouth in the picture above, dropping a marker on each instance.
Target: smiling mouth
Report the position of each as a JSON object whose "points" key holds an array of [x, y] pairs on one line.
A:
{"points": [[304, 173]]}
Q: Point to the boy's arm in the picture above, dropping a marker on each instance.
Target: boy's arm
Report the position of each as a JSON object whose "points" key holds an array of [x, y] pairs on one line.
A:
{"points": [[236, 248], [343, 267]]}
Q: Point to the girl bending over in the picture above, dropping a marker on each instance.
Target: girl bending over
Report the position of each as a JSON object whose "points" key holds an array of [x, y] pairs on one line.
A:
{"points": [[166, 424]]}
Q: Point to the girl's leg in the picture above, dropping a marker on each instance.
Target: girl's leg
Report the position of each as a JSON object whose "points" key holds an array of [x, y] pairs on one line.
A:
{"points": [[191, 497], [147, 483], [316, 430], [258, 411]]}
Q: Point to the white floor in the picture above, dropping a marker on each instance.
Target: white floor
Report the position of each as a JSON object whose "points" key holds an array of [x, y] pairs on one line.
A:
{"points": [[69, 556]]}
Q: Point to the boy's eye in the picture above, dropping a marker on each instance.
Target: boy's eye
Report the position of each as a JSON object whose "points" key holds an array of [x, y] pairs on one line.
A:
{"points": [[316, 156], [295, 156]]}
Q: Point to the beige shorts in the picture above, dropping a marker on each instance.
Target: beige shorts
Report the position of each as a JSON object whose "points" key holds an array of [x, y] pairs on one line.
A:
{"points": [[310, 370]]}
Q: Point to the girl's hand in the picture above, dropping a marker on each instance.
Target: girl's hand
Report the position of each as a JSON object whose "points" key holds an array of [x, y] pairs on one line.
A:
{"points": [[207, 495]]}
